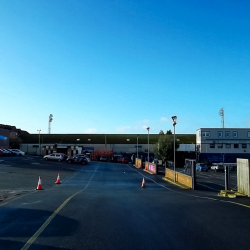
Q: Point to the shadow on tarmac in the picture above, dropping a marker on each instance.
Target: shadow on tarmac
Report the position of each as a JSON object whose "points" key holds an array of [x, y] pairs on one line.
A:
{"points": [[23, 223]]}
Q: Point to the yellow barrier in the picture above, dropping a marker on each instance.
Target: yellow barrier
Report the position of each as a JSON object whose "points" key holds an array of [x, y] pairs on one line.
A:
{"points": [[179, 177], [138, 163]]}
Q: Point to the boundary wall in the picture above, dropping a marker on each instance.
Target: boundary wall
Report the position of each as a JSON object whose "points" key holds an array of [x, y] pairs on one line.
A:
{"points": [[138, 163], [151, 167], [179, 178]]}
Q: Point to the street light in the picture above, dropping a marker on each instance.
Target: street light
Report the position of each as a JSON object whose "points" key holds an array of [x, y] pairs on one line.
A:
{"points": [[75, 144], [39, 130], [137, 146], [148, 128], [174, 118]]}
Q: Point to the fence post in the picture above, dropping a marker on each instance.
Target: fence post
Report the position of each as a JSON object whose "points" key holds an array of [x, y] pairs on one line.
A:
{"points": [[227, 177], [193, 169]]}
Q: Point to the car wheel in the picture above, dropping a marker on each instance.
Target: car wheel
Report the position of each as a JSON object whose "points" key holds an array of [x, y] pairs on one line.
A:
{"points": [[69, 161], [59, 159], [46, 158]]}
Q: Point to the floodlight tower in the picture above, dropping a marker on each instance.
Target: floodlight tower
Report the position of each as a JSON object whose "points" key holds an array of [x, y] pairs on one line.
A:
{"points": [[221, 113], [50, 120]]}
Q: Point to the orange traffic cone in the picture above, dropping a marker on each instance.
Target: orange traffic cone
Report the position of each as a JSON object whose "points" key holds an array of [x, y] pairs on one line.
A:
{"points": [[39, 186], [58, 180], [143, 183]]}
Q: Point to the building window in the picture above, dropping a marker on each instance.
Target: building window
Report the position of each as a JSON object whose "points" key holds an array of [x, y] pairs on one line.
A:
{"points": [[205, 134], [235, 134], [228, 145], [248, 134], [212, 146], [236, 145], [244, 145], [220, 134], [227, 134], [220, 145]]}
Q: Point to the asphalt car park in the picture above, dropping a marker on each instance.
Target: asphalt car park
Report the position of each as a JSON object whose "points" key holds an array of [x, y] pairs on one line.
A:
{"points": [[215, 181], [19, 175]]}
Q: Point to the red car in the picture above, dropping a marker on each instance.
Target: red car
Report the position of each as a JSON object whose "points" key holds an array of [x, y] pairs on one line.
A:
{"points": [[124, 160]]}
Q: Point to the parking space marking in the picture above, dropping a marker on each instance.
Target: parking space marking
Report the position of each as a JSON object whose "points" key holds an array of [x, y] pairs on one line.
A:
{"points": [[35, 163], [1, 160], [207, 186]]}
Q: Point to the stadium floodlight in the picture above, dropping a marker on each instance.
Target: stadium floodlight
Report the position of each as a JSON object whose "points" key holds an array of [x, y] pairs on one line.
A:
{"points": [[50, 120], [221, 113]]}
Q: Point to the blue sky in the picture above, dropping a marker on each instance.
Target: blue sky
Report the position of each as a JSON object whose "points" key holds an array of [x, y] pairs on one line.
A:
{"points": [[120, 66]]}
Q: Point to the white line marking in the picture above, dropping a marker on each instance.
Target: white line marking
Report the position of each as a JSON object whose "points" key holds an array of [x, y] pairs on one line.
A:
{"points": [[208, 187]]}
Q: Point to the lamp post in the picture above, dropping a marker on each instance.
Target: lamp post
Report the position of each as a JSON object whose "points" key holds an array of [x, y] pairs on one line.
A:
{"points": [[39, 130], [137, 148], [148, 128], [174, 118], [75, 144]]}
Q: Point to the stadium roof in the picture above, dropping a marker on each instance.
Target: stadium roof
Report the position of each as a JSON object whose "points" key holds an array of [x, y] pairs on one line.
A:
{"points": [[100, 138]]}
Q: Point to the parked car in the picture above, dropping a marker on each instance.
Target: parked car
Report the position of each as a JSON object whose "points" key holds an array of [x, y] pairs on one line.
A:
{"points": [[201, 167], [103, 158], [53, 157], [5, 152], [17, 151], [125, 160], [218, 167], [64, 156], [11, 153], [84, 155], [78, 159]]}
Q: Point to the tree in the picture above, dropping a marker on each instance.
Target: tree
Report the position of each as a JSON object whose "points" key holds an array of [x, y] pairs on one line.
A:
{"points": [[14, 140], [161, 132], [169, 132], [164, 149]]}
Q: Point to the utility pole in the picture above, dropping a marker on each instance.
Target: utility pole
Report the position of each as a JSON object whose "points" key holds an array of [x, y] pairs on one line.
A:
{"points": [[39, 130]]}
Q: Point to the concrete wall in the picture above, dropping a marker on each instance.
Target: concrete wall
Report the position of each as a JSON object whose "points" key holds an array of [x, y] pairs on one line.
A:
{"points": [[243, 175]]}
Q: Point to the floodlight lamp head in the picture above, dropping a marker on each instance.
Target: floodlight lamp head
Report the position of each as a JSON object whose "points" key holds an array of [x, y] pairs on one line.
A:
{"points": [[174, 118], [148, 128], [221, 112], [50, 118]]}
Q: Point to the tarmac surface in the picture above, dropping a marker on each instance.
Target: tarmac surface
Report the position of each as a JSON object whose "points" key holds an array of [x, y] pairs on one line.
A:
{"points": [[102, 206]]}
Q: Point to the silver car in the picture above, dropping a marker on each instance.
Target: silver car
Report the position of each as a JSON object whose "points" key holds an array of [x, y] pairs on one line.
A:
{"points": [[53, 157]]}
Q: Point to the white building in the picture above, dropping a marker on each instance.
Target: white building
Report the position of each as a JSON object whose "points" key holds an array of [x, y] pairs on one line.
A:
{"points": [[223, 144]]}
